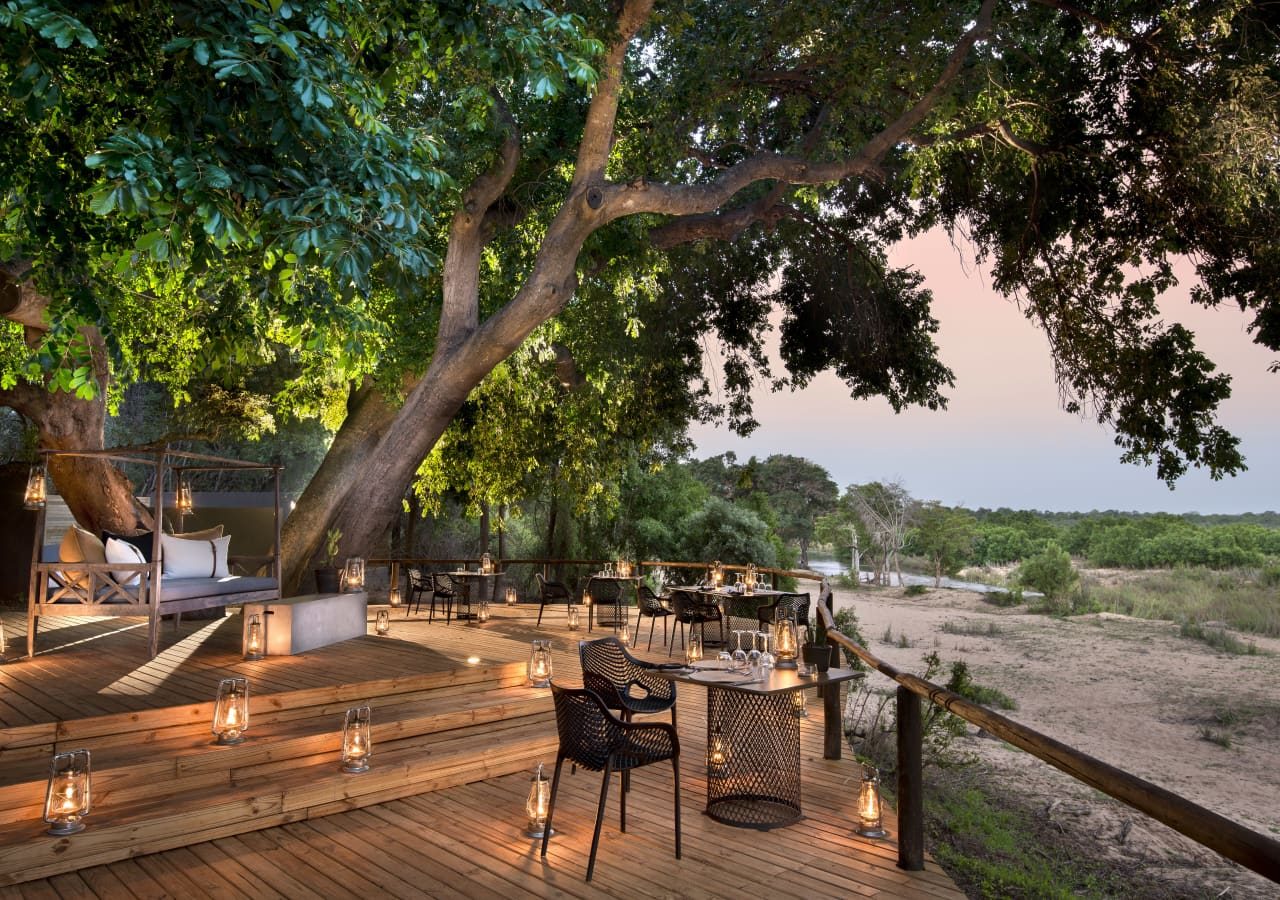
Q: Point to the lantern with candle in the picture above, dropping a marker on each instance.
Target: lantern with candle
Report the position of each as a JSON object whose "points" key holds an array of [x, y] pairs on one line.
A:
{"points": [[67, 799], [383, 623], [482, 613], [231, 710], [692, 650], [357, 740], [538, 804], [511, 596], [717, 755], [870, 822], [486, 564], [786, 640], [393, 597], [353, 575], [573, 618], [254, 639], [540, 663], [37, 488], [799, 705], [184, 500]]}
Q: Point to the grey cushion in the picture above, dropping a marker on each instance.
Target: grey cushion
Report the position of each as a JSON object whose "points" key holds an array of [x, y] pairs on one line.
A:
{"points": [[186, 588]]}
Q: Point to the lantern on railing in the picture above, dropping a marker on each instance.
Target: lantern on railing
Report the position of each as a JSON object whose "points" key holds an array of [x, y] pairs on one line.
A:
{"points": [[393, 597], [511, 596], [231, 710], [37, 492], [692, 650], [255, 640], [538, 804], [383, 623], [486, 564], [799, 705], [573, 618], [786, 641], [870, 823], [353, 574], [717, 573], [357, 741], [67, 799], [717, 755], [482, 613], [184, 500], [540, 663]]}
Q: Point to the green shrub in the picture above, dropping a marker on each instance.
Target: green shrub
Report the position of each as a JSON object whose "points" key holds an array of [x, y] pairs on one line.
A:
{"points": [[1003, 598], [915, 590], [1218, 639], [847, 624], [1050, 571]]}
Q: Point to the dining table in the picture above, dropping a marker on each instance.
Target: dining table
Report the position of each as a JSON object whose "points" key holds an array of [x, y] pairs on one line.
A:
{"points": [[753, 737], [467, 578], [620, 614]]}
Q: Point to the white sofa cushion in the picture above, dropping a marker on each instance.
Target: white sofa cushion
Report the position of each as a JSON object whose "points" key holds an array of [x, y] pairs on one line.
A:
{"points": [[194, 559], [119, 551]]}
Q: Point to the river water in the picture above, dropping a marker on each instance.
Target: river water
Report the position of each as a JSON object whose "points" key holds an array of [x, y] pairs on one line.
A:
{"points": [[830, 566]]}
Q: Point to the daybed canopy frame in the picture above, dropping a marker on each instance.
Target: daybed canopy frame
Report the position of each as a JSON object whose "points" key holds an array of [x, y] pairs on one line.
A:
{"points": [[107, 595]]}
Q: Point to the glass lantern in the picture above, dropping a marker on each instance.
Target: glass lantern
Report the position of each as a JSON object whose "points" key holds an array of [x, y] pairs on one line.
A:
{"points": [[538, 804], [67, 800], [511, 596], [799, 705], [693, 650], [37, 492], [353, 574], [870, 822], [383, 624], [231, 710], [717, 755], [393, 597], [573, 618], [717, 573], [482, 614], [540, 664], [357, 741], [255, 641], [486, 564], [184, 500], [786, 641], [624, 636]]}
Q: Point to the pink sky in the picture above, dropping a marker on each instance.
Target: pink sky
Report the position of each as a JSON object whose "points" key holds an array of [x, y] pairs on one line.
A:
{"points": [[1004, 439]]}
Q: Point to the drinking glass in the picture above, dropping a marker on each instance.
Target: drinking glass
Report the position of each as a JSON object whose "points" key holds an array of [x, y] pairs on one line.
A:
{"points": [[739, 655], [767, 658]]}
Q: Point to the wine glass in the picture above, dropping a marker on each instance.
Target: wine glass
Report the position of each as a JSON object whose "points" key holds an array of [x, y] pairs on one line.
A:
{"points": [[739, 655], [753, 655], [767, 659]]}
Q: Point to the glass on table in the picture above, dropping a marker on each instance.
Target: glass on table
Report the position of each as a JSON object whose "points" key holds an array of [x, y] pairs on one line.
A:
{"points": [[739, 663], [767, 659]]}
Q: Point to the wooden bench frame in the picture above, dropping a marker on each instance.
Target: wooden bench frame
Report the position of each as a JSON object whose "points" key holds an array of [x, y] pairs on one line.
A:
{"points": [[93, 589]]}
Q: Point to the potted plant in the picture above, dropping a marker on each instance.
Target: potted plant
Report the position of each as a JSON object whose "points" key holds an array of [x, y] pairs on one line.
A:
{"points": [[327, 575], [817, 652]]}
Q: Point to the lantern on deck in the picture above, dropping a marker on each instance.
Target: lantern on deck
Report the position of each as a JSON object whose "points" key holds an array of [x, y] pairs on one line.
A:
{"points": [[353, 574], [383, 623], [486, 564], [393, 597], [786, 641], [573, 618], [624, 636], [717, 755], [483, 614], [231, 710], [67, 798], [540, 664], [799, 705], [693, 650], [870, 823], [357, 741], [511, 596], [37, 488], [254, 639], [184, 500], [538, 804]]}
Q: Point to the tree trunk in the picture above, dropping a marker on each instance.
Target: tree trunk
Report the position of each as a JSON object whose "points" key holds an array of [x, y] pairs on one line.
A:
{"points": [[484, 528], [502, 531], [410, 541], [804, 553], [937, 573]]}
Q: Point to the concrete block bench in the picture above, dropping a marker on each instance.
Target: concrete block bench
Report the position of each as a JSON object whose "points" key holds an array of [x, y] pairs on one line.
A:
{"points": [[304, 623]]}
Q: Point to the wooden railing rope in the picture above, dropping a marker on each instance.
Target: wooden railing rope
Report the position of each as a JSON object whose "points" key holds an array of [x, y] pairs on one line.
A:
{"points": [[1231, 839]]}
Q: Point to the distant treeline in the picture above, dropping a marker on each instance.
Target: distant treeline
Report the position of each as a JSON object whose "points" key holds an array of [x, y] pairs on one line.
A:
{"points": [[1134, 540]]}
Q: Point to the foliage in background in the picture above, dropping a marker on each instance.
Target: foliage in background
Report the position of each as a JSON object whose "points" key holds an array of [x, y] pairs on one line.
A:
{"points": [[944, 536], [1050, 571]]}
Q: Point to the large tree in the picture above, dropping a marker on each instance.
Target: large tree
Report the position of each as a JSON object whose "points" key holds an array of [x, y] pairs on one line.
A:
{"points": [[1081, 147]]}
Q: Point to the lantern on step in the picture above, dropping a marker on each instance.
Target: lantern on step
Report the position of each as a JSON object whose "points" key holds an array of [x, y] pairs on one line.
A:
{"points": [[573, 618], [786, 641], [184, 500], [799, 705], [254, 639], [357, 740], [511, 596], [540, 664], [483, 614], [67, 799], [486, 564], [231, 710], [717, 755], [393, 597], [353, 574], [538, 804], [383, 623], [37, 488], [870, 821]]}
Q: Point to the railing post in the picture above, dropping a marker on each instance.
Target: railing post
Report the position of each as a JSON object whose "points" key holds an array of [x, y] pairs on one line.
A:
{"points": [[910, 782]]}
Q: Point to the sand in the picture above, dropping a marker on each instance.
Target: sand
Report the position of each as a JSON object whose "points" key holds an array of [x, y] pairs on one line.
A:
{"points": [[1130, 692]]}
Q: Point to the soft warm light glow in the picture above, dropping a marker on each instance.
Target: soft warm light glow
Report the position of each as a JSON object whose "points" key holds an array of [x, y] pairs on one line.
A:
{"points": [[383, 625], [693, 651], [473, 660], [623, 568], [486, 564], [37, 491], [799, 705], [353, 574], [538, 803], [253, 638], [869, 815], [624, 636], [393, 596], [511, 596], [573, 618], [67, 798], [231, 710], [183, 500], [786, 641], [717, 573], [482, 615], [717, 755], [540, 663], [357, 740]]}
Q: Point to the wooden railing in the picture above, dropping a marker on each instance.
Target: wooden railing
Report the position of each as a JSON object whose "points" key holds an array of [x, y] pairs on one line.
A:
{"points": [[1231, 839]]}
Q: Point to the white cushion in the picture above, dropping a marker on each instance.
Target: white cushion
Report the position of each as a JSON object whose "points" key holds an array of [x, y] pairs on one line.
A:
{"points": [[79, 546], [194, 559], [118, 551]]}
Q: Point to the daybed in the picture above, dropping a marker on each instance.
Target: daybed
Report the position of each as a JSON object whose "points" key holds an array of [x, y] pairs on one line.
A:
{"points": [[67, 588]]}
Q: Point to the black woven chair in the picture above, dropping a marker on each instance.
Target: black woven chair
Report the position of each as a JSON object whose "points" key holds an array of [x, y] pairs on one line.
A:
{"points": [[444, 589], [786, 603], [689, 610], [625, 684], [594, 738], [419, 584], [606, 602], [651, 605], [551, 592]]}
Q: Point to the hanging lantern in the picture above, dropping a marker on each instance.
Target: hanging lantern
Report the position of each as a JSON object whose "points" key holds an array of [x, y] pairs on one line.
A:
{"points": [[67, 798], [540, 664], [870, 823], [573, 618], [393, 597], [353, 574], [511, 596], [717, 755], [538, 804], [383, 624], [231, 710], [254, 639], [786, 641], [37, 488], [486, 564], [799, 705], [357, 741], [693, 650], [483, 614], [184, 500]]}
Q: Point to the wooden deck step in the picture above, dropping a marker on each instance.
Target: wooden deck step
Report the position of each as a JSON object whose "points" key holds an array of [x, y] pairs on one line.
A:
{"points": [[160, 782]]}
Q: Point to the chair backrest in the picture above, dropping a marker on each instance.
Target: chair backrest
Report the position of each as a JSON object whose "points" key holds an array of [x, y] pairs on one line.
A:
{"points": [[683, 604], [415, 577], [604, 590], [797, 604], [551, 590], [444, 584], [588, 733], [609, 658], [649, 602]]}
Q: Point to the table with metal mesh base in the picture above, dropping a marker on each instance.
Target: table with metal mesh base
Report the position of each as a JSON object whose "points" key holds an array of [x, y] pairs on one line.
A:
{"points": [[758, 783]]}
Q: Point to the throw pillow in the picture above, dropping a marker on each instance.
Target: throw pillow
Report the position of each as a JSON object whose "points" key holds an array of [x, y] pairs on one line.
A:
{"points": [[79, 546], [207, 534], [184, 558], [142, 541], [121, 551]]}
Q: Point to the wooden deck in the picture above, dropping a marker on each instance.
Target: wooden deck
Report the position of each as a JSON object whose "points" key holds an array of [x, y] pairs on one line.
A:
{"points": [[462, 841]]}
